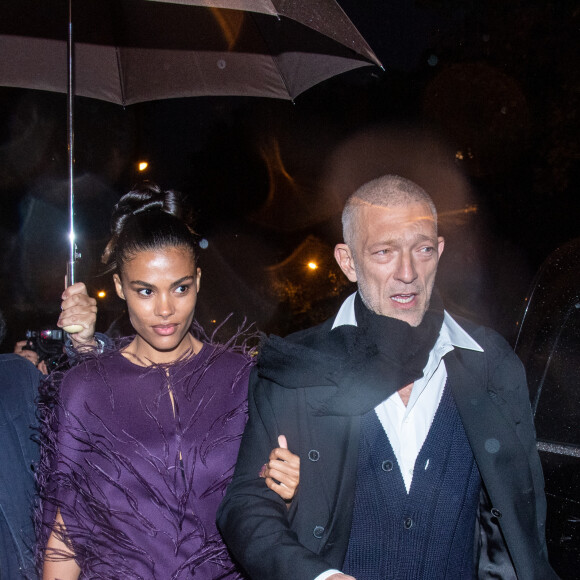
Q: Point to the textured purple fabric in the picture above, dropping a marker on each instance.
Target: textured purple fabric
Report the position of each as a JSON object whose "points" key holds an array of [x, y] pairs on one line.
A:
{"points": [[138, 477]]}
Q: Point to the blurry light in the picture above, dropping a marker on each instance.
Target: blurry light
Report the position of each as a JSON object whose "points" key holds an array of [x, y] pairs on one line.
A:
{"points": [[432, 60], [203, 244], [457, 212], [142, 165], [101, 294], [312, 265], [459, 155], [213, 321]]}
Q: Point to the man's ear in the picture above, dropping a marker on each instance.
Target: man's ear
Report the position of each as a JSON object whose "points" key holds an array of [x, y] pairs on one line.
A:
{"points": [[343, 256], [440, 245], [118, 286]]}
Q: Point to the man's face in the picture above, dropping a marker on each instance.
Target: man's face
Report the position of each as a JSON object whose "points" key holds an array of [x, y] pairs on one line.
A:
{"points": [[393, 259]]}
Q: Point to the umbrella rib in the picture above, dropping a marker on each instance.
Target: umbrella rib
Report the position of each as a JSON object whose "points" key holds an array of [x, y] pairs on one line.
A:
{"points": [[121, 75], [273, 57]]}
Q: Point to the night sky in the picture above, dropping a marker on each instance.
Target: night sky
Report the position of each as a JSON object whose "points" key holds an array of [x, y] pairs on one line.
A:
{"points": [[479, 103]]}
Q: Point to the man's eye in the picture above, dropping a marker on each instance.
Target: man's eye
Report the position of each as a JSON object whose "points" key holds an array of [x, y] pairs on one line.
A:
{"points": [[427, 250]]}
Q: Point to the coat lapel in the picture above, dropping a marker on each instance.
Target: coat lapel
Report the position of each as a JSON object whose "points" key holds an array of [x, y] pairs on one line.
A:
{"points": [[491, 430]]}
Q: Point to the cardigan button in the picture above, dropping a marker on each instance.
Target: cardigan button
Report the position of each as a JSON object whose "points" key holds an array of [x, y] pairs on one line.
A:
{"points": [[318, 532], [313, 455], [387, 465], [495, 513], [408, 523]]}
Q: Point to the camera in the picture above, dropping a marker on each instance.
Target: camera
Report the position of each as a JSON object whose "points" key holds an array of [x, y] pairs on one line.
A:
{"points": [[47, 343]]}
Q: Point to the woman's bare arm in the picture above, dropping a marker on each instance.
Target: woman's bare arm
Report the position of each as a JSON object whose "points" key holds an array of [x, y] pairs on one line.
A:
{"points": [[59, 562]]}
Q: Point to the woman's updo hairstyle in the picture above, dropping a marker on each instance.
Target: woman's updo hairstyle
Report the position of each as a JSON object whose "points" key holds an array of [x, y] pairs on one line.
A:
{"points": [[148, 219]]}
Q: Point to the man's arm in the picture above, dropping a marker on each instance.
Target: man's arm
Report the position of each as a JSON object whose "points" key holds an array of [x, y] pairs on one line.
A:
{"points": [[252, 518]]}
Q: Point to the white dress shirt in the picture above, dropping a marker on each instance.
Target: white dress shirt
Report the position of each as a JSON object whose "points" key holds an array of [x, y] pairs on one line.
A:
{"points": [[407, 426]]}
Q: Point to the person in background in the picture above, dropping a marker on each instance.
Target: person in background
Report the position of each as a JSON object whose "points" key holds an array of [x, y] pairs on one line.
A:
{"points": [[140, 441], [414, 428], [19, 452]]}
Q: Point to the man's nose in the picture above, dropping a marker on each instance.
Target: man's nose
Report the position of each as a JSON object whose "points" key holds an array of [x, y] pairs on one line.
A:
{"points": [[406, 271]]}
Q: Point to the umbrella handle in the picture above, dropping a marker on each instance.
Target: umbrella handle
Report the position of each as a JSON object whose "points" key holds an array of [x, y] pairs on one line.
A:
{"points": [[72, 328]]}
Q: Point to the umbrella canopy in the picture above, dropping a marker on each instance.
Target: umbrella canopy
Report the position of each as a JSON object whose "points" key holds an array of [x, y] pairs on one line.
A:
{"points": [[129, 51]]}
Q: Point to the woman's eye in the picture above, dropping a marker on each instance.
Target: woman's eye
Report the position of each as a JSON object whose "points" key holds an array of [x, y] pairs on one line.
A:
{"points": [[145, 291], [182, 289]]}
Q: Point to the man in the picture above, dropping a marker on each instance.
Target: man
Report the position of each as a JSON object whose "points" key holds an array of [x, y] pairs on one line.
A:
{"points": [[19, 453], [414, 430]]}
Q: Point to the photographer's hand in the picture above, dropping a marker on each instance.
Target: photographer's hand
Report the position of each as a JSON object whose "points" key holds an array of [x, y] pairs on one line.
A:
{"points": [[27, 353], [31, 355], [78, 308]]}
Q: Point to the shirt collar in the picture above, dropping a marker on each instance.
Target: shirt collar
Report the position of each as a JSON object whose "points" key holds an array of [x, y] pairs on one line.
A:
{"points": [[451, 332]]}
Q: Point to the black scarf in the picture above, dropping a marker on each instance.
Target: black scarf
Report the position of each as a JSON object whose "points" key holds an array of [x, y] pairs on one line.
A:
{"points": [[366, 363], [384, 355]]}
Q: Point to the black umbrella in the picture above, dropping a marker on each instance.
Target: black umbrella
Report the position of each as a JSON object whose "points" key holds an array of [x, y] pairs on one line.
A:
{"points": [[129, 51]]}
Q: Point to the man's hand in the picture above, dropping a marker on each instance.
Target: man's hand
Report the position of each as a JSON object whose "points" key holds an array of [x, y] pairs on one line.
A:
{"points": [[341, 577], [80, 309], [30, 355], [283, 467], [26, 353]]}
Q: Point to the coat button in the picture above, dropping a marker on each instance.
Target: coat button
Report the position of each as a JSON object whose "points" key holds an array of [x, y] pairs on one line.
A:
{"points": [[495, 513], [318, 532], [387, 465], [408, 523], [313, 455]]}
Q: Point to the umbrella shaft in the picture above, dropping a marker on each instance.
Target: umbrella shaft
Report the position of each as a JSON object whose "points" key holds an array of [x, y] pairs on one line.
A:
{"points": [[70, 127]]}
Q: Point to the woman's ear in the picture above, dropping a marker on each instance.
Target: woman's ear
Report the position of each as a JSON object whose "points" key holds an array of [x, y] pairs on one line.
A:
{"points": [[198, 278], [118, 286]]}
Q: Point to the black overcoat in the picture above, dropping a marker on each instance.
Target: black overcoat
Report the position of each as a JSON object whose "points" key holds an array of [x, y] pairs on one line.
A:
{"points": [[490, 391]]}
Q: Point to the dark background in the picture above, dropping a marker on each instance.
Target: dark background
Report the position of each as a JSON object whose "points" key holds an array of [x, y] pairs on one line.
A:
{"points": [[478, 103]]}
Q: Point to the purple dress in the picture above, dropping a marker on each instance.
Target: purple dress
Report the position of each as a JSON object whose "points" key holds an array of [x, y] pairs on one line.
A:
{"points": [[138, 461]]}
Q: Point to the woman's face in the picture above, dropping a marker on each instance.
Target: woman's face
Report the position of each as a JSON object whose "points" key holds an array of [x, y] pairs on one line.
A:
{"points": [[160, 288]]}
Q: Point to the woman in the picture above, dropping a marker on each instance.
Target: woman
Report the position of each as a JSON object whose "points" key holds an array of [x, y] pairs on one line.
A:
{"points": [[143, 440]]}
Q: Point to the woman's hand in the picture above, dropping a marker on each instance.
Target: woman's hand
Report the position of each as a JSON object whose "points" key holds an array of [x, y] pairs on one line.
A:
{"points": [[282, 472]]}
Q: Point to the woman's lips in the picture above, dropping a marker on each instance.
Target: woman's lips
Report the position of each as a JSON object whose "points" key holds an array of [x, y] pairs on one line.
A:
{"points": [[165, 329]]}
